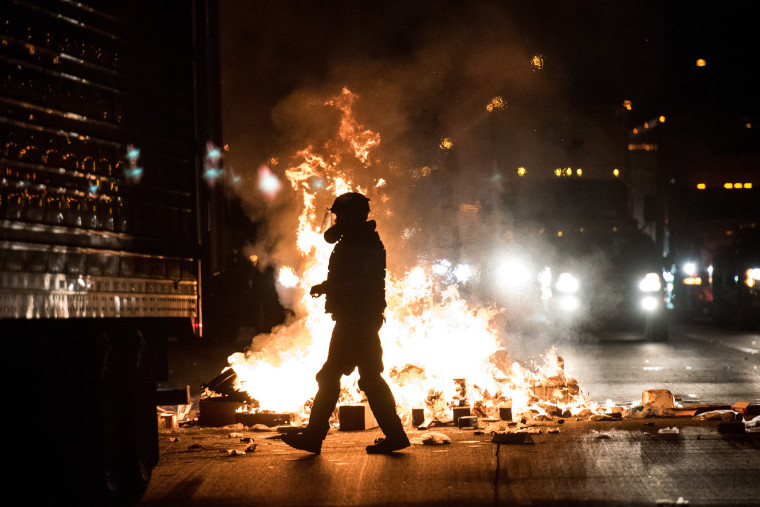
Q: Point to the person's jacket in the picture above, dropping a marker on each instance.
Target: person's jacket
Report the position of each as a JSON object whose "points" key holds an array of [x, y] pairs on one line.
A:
{"points": [[356, 273]]}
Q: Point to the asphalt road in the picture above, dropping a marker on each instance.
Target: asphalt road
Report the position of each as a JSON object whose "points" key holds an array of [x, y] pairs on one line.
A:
{"points": [[700, 363], [625, 462]]}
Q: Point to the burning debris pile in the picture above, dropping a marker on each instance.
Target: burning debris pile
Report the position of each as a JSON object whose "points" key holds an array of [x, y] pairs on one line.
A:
{"points": [[440, 352]]}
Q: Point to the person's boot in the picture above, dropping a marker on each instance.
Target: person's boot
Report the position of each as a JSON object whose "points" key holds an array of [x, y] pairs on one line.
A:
{"points": [[304, 441], [389, 444]]}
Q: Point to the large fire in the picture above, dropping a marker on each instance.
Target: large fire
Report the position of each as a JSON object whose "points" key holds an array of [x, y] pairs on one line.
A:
{"points": [[439, 351]]}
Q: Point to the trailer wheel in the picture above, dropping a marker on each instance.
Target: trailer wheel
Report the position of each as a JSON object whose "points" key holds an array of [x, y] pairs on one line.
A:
{"points": [[139, 446], [108, 427]]}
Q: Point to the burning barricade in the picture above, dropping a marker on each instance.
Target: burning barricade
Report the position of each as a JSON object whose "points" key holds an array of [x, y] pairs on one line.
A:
{"points": [[444, 358]]}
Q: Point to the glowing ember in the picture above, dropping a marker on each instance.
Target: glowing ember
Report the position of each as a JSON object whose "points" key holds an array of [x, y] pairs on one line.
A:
{"points": [[496, 103], [537, 62], [439, 352]]}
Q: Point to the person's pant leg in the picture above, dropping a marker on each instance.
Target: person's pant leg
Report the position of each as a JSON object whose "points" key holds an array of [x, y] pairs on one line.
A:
{"points": [[382, 403], [324, 401]]}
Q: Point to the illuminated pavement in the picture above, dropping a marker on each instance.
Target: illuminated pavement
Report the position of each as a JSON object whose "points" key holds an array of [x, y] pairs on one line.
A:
{"points": [[624, 462], [700, 363], [594, 463]]}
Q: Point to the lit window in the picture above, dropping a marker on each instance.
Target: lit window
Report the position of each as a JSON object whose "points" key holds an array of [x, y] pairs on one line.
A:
{"points": [[701, 62], [701, 186]]}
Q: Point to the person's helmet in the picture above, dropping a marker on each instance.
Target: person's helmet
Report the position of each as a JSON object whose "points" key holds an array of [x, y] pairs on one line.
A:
{"points": [[351, 205]]}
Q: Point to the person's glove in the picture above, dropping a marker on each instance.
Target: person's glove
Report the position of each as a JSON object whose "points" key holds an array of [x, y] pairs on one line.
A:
{"points": [[318, 290]]}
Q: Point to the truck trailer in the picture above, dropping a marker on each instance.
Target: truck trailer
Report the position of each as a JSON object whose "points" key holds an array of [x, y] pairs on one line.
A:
{"points": [[110, 124]]}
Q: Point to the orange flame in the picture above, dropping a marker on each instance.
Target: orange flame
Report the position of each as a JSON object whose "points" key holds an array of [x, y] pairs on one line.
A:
{"points": [[431, 338]]}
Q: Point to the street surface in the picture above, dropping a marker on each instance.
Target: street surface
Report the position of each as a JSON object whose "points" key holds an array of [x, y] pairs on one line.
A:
{"points": [[623, 462], [700, 363]]}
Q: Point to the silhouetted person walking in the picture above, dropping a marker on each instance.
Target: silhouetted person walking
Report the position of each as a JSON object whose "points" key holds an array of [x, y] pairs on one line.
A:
{"points": [[355, 296]]}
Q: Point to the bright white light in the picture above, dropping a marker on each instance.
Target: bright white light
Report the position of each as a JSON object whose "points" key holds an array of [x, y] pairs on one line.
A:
{"points": [[753, 275], [441, 267], [567, 283], [288, 277], [268, 182], [649, 303], [462, 272], [513, 273], [690, 268], [650, 283], [416, 277], [569, 303], [545, 281]]}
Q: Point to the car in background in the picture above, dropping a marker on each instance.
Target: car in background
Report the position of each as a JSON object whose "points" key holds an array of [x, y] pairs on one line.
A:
{"points": [[608, 278], [736, 280], [689, 287]]}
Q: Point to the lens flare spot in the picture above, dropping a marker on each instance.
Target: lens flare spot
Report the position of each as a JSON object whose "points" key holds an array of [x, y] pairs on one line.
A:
{"points": [[269, 184]]}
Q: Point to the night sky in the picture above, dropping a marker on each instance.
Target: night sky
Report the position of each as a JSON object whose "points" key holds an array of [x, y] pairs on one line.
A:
{"points": [[426, 70]]}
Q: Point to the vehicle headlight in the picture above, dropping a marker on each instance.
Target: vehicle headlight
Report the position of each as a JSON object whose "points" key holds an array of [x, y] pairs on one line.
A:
{"points": [[649, 303], [513, 273], [566, 282], [752, 277], [650, 283], [569, 303]]}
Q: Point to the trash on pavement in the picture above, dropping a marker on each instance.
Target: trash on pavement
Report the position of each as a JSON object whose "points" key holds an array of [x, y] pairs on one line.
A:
{"points": [[661, 398], [746, 408], [644, 411], [668, 431], [718, 415], [431, 438]]}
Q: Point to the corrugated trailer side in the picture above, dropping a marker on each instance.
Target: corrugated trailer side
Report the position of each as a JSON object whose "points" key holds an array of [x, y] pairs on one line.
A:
{"points": [[104, 121]]}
